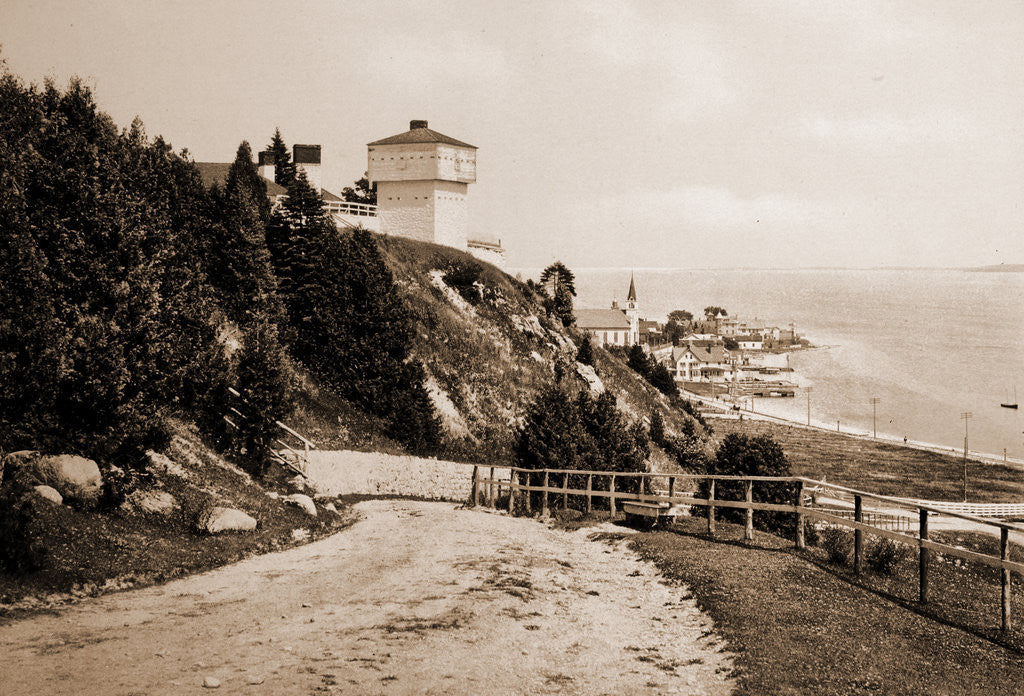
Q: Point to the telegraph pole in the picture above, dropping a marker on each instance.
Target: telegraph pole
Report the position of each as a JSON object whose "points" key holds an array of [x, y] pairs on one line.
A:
{"points": [[966, 415], [874, 416]]}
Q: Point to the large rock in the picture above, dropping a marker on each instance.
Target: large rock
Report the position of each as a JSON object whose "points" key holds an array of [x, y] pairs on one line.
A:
{"points": [[15, 460], [223, 519], [152, 502], [303, 501], [50, 494], [74, 477]]}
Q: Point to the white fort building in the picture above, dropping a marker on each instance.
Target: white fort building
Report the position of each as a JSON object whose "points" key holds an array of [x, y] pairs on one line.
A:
{"points": [[422, 179]]}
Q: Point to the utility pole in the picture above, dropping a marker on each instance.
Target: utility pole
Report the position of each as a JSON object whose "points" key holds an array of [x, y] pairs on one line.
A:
{"points": [[966, 415], [808, 405], [874, 416]]}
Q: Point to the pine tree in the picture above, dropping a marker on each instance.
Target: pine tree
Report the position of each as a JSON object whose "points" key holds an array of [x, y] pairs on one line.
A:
{"points": [[585, 353], [264, 382], [284, 170]]}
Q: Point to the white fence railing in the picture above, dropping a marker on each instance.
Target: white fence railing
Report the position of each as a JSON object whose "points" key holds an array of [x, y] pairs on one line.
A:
{"points": [[346, 208]]}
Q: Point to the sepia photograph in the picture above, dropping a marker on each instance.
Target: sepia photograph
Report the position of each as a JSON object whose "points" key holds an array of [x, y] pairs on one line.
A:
{"points": [[615, 347]]}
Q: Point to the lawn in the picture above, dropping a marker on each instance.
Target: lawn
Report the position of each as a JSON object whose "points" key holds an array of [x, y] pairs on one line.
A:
{"points": [[799, 624]]}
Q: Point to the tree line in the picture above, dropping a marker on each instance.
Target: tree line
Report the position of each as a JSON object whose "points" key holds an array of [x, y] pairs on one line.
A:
{"points": [[121, 275]]}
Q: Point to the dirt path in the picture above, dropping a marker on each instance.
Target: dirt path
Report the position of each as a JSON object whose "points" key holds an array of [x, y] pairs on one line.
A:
{"points": [[415, 598]]}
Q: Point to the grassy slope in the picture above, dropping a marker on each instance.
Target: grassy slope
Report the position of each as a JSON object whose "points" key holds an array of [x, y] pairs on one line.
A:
{"points": [[91, 552], [800, 626], [884, 468]]}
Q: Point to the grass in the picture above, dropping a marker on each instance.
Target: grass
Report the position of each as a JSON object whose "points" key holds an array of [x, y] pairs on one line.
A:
{"points": [[884, 468], [92, 552], [798, 624]]}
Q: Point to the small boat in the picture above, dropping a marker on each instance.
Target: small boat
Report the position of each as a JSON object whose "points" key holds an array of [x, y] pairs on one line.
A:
{"points": [[1011, 404]]}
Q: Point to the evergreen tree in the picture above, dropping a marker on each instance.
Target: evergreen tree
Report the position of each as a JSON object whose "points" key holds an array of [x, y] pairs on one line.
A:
{"points": [[263, 379], [561, 285], [638, 361], [656, 432], [284, 170], [585, 353], [243, 176]]}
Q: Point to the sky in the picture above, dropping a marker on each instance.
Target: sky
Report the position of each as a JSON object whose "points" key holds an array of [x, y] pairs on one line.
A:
{"points": [[611, 134]]}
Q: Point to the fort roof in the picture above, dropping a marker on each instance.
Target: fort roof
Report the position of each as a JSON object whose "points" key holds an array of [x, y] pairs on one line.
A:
{"points": [[419, 133]]}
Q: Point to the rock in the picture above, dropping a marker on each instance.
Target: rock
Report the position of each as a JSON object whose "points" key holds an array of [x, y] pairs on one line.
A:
{"points": [[224, 519], [254, 681], [330, 506], [14, 460], [73, 476], [299, 534], [152, 502], [273, 495], [50, 494], [211, 683], [303, 501]]}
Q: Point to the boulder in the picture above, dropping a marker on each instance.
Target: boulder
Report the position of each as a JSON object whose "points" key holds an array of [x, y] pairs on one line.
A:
{"points": [[152, 502], [74, 477], [50, 494], [14, 460], [303, 501], [224, 519], [330, 506]]}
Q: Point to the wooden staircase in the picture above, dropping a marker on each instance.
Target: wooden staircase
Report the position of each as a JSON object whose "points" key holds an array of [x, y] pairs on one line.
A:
{"points": [[291, 457]]}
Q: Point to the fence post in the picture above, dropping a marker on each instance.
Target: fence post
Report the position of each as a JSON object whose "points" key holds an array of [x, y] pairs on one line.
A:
{"points": [[512, 476], [492, 498], [529, 493], [671, 488], [590, 487], [476, 487], [1004, 554], [924, 553], [544, 505], [748, 530], [565, 490], [800, 539], [611, 498], [711, 508], [858, 535]]}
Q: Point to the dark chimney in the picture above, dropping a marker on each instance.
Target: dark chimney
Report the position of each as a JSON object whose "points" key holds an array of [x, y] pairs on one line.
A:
{"points": [[413, 125], [267, 157], [306, 154]]}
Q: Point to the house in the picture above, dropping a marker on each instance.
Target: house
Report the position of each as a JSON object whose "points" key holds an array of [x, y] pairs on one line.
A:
{"points": [[750, 342], [617, 326], [693, 363]]}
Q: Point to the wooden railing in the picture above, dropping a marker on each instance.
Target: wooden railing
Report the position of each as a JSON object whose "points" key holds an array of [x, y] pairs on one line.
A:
{"points": [[665, 488], [295, 458], [346, 208]]}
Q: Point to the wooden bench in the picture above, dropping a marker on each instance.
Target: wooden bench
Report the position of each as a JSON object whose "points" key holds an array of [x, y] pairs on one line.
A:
{"points": [[651, 514]]}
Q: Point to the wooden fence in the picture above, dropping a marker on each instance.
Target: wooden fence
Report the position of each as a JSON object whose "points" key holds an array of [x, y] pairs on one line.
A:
{"points": [[663, 488]]}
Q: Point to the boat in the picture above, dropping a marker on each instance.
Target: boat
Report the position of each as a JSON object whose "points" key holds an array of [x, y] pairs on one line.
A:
{"points": [[1011, 404]]}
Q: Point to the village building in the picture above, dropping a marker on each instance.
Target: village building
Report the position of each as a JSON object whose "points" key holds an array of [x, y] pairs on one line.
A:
{"points": [[693, 363], [750, 342], [617, 326]]}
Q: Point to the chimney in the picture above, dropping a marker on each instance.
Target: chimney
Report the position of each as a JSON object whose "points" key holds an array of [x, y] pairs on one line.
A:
{"points": [[267, 165], [307, 158], [413, 125]]}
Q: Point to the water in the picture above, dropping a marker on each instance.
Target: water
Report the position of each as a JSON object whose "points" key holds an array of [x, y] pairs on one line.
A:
{"points": [[929, 344]]}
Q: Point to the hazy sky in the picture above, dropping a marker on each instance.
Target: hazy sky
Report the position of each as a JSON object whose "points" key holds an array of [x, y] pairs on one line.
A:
{"points": [[678, 134]]}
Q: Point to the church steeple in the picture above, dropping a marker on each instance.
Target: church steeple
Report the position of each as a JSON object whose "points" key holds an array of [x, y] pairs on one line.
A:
{"points": [[631, 297]]}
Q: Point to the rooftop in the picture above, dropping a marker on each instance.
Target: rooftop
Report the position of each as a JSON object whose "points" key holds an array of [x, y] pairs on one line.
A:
{"points": [[419, 133], [601, 319]]}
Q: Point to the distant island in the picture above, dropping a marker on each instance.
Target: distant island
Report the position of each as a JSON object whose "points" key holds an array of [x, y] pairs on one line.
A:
{"points": [[998, 268]]}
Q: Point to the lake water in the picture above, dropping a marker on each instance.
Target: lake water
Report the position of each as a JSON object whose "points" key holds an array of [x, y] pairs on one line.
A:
{"points": [[929, 344]]}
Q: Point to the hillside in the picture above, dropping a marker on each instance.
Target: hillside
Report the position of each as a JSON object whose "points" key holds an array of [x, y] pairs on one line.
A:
{"points": [[487, 358]]}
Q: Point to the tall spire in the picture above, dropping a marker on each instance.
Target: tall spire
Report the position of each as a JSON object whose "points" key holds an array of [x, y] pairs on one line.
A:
{"points": [[631, 297]]}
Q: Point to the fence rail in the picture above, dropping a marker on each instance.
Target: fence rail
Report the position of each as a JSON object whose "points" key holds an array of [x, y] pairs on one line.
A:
{"points": [[522, 483]]}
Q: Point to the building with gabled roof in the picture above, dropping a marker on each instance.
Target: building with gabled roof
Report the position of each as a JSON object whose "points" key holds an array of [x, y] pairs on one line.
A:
{"points": [[617, 326]]}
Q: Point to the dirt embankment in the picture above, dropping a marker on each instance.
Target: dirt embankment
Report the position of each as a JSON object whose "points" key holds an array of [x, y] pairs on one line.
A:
{"points": [[415, 598]]}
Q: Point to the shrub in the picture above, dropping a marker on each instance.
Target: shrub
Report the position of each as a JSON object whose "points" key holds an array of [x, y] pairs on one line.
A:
{"points": [[837, 545], [885, 555], [462, 275], [585, 353], [740, 455]]}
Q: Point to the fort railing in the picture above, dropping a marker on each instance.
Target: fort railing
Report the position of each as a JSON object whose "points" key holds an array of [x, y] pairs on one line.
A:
{"points": [[346, 208], [527, 488]]}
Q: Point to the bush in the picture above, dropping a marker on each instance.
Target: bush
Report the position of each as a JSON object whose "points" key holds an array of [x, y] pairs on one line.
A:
{"points": [[885, 555], [585, 353], [837, 544], [462, 275], [740, 455]]}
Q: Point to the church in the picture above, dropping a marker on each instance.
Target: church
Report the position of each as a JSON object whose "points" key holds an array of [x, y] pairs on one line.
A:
{"points": [[618, 326]]}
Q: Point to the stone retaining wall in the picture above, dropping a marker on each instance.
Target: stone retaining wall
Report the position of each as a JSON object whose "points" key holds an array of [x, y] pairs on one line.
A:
{"points": [[342, 472]]}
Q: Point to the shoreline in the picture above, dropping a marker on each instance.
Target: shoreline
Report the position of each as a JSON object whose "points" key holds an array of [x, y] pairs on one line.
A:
{"points": [[883, 438]]}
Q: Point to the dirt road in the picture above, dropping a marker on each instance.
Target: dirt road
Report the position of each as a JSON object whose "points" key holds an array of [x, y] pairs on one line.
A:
{"points": [[420, 598]]}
